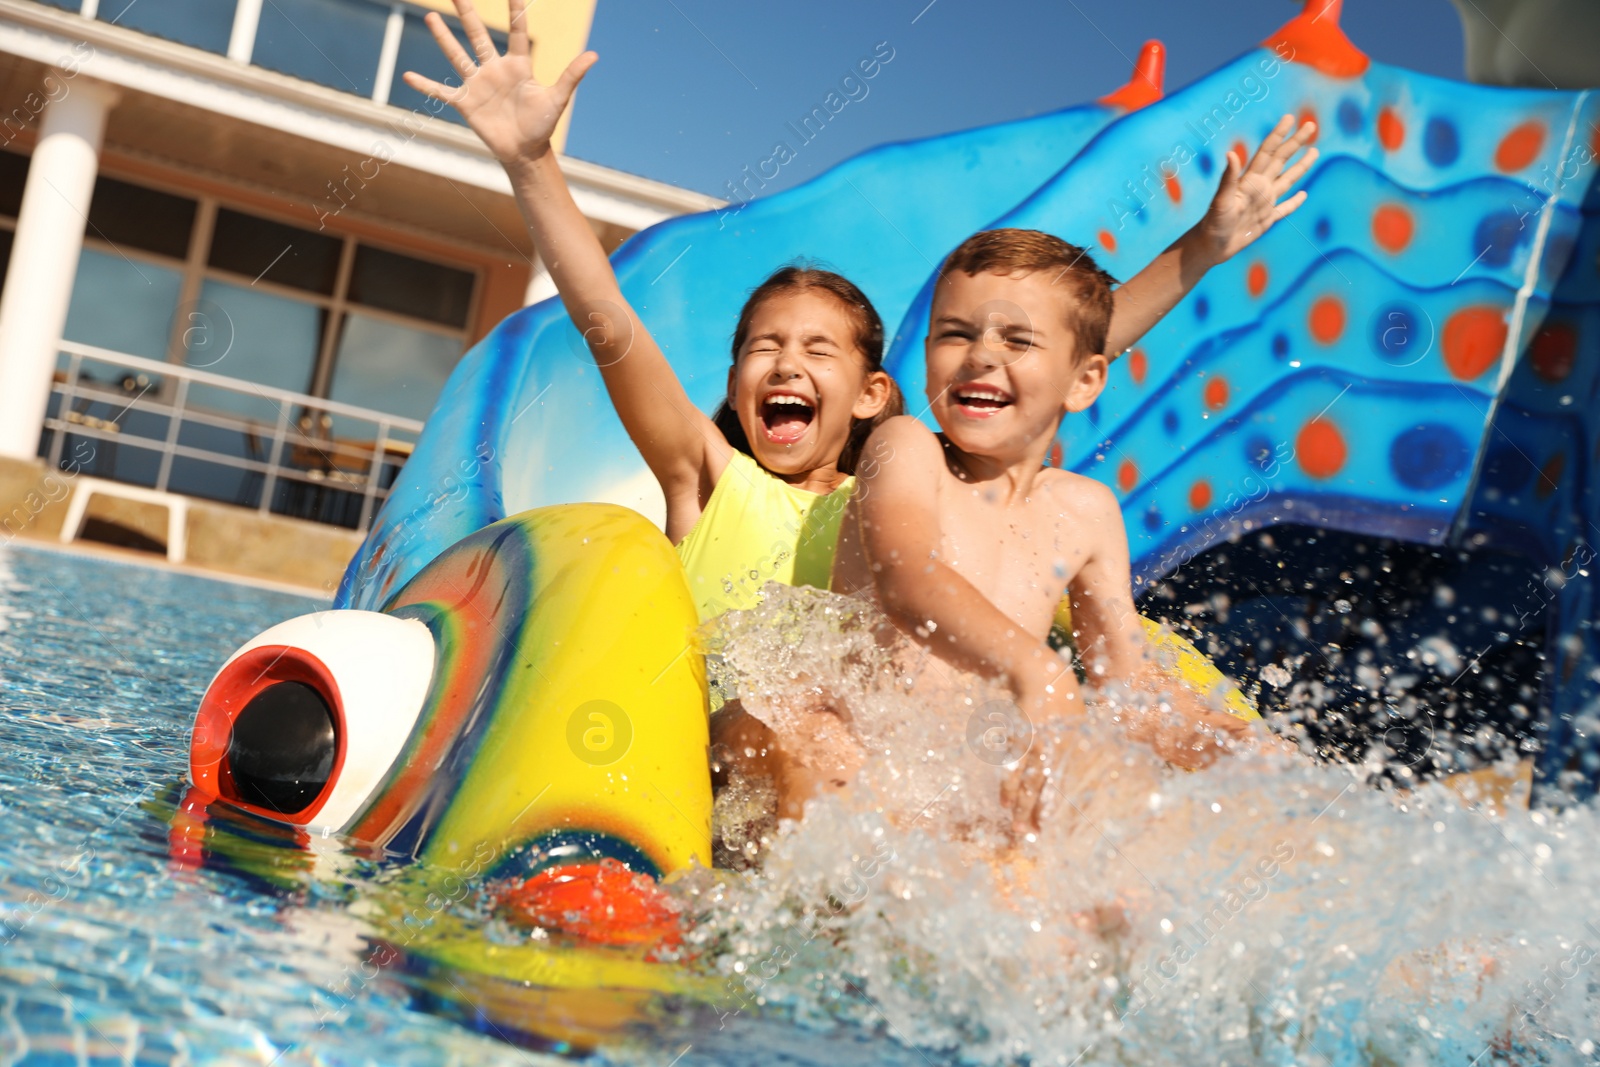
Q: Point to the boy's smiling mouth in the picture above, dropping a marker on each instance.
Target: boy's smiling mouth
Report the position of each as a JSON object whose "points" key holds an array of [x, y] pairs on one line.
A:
{"points": [[981, 401], [786, 416]]}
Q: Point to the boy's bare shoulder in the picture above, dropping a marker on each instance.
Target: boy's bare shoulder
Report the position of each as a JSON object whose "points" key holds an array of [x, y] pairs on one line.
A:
{"points": [[1084, 496]]}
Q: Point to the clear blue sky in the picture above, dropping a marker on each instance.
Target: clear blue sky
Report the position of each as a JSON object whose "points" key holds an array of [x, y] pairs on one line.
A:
{"points": [[690, 91]]}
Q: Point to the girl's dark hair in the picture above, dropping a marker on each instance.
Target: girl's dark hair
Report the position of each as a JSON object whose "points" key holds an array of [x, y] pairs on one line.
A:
{"points": [[868, 338]]}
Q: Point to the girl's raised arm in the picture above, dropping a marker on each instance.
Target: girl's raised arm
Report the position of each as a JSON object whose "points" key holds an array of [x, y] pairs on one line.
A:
{"points": [[515, 117]]}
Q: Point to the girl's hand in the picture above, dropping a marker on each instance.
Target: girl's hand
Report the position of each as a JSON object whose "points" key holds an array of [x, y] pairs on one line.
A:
{"points": [[1246, 204], [498, 96]]}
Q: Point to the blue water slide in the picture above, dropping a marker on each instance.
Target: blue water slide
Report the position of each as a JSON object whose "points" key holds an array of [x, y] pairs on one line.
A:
{"points": [[1415, 354]]}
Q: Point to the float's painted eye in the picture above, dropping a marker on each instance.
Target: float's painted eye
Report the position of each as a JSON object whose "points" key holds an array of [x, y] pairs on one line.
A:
{"points": [[303, 722]]}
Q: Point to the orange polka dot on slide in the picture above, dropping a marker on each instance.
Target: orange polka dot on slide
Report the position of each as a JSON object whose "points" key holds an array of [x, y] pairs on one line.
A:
{"points": [[1391, 131], [1320, 449], [1392, 227], [1108, 240], [1216, 394], [1138, 366], [1174, 188], [1309, 115], [1255, 278], [1327, 319], [1241, 152], [1520, 147], [1200, 495], [1473, 339], [1127, 476]]}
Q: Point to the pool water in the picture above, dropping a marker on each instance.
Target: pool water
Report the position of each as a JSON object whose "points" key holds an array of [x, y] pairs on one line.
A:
{"points": [[1271, 912], [113, 951]]}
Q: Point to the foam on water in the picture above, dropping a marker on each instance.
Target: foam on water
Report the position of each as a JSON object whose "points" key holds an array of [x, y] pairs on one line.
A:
{"points": [[1268, 910]]}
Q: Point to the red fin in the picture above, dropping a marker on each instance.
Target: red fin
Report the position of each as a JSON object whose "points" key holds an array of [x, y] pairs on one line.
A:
{"points": [[1144, 88], [1314, 38]]}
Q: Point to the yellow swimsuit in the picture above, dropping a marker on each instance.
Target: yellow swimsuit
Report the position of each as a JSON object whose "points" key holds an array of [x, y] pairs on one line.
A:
{"points": [[755, 529]]}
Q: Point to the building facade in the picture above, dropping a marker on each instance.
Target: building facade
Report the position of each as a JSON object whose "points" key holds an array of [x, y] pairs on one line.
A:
{"points": [[239, 256]]}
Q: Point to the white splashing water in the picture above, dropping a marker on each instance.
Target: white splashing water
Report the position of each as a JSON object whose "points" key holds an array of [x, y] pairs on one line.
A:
{"points": [[1268, 910]]}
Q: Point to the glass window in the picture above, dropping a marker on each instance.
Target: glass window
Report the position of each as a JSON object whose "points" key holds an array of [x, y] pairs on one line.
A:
{"points": [[393, 282], [389, 367], [134, 216], [257, 336], [13, 175], [420, 52], [331, 42], [202, 23], [288, 255], [122, 304], [65, 5]]}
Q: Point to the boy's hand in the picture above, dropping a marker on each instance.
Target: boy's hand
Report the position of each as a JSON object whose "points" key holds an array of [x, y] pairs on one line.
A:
{"points": [[1246, 204], [511, 112], [1190, 735]]}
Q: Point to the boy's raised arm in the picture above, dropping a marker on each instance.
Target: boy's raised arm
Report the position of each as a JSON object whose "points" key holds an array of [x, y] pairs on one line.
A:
{"points": [[515, 117], [1245, 207]]}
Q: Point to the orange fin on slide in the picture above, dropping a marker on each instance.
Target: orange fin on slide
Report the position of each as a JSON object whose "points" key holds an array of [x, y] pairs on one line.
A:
{"points": [[1314, 38], [1144, 88], [601, 902]]}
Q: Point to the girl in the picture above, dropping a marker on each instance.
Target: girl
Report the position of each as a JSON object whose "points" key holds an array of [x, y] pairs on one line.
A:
{"points": [[755, 493]]}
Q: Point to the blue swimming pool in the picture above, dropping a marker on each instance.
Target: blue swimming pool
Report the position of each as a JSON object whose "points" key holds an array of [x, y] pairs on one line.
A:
{"points": [[1268, 914], [114, 951]]}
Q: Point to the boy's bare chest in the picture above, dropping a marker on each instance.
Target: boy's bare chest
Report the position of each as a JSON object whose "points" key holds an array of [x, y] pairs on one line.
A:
{"points": [[1018, 555]]}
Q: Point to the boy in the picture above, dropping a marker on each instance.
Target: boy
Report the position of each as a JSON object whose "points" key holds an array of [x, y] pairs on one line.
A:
{"points": [[969, 542]]}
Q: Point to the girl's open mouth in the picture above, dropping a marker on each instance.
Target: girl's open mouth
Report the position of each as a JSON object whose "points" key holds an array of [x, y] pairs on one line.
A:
{"points": [[785, 417], [982, 401]]}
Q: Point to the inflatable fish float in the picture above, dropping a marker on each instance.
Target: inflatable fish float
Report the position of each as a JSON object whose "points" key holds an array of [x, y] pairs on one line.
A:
{"points": [[527, 712]]}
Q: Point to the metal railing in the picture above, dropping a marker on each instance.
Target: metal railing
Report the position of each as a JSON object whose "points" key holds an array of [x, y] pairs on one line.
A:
{"points": [[148, 407]]}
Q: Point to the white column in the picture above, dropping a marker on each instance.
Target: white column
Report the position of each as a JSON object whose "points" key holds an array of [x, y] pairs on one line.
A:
{"points": [[389, 54], [44, 257], [242, 41]]}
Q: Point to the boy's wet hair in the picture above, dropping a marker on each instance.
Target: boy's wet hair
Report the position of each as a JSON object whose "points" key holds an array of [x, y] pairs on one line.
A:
{"points": [[1013, 251], [868, 338]]}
